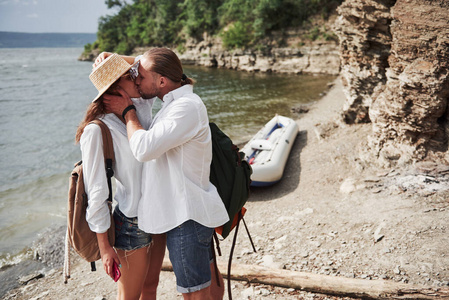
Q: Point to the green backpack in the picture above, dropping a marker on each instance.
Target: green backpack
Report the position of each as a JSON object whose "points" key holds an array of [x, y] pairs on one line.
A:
{"points": [[231, 175]]}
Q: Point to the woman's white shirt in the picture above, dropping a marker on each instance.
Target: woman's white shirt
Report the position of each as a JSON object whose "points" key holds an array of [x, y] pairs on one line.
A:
{"points": [[127, 170]]}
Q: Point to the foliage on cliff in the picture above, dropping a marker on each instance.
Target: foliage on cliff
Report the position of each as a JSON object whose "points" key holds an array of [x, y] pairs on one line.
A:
{"points": [[240, 23]]}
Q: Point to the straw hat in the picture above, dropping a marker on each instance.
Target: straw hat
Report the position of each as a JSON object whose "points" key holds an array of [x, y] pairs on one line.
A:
{"points": [[107, 72]]}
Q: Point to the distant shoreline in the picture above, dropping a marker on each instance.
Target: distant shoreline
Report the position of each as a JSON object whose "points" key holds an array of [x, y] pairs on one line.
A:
{"points": [[45, 40]]}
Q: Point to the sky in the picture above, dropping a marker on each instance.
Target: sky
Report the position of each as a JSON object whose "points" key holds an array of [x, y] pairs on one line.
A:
{"points": [[38, 16]]}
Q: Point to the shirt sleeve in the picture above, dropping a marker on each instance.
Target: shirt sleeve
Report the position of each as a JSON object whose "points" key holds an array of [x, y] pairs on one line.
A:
{"points": [[179, 124], [95, 180]]}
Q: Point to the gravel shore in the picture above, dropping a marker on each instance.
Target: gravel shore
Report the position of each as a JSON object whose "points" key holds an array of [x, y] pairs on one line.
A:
{"points": [[331, 215]]}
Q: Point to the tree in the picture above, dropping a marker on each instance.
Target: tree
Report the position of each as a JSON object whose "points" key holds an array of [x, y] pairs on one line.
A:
{"points": [[201, 16], [242, 23]]}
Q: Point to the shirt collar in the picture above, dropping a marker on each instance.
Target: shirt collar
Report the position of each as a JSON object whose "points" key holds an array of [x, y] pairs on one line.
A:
{"points": [[178, 93]]}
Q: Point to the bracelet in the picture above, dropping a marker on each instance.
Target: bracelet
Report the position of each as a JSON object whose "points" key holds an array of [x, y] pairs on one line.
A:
{"points": [[127, 109]]}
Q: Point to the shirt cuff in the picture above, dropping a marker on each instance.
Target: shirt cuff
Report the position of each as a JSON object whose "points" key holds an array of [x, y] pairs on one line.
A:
{"points": [[137, 145]]}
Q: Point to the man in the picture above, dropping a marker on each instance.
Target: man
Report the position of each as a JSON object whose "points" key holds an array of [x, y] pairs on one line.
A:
{"points": [[177, 197]]}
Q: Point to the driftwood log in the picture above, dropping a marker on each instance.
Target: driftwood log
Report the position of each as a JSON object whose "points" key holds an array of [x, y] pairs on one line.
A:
{"points": [[325, 284]]}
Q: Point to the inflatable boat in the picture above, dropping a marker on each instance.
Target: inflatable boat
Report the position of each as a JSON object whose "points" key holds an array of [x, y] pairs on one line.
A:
{"points": [[267, 152]]}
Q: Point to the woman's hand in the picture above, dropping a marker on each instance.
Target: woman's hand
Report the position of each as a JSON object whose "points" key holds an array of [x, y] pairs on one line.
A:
{"points": [[103, 55], [100, 58], [107, 258], [108, 254]]}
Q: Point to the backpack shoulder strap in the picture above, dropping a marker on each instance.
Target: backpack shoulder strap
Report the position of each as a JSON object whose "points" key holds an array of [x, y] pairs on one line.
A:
{"points": [[108, 151], [108, 147]]}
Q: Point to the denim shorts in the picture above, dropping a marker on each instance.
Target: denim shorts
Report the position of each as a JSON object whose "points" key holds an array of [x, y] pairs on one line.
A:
{"points": [[189, 247], [128, 236]]}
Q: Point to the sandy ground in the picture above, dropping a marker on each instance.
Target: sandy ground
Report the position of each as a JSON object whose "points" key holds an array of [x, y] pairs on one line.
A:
{"points": [[330, 215]]}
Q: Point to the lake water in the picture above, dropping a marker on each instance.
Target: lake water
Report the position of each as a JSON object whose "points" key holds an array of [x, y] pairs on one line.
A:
{"points": [[43, 96]]}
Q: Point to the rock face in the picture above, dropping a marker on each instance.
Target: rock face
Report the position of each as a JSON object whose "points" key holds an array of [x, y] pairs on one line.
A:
{"points": [[398, 73], [318, 58], [410, 116], [363, 28]]}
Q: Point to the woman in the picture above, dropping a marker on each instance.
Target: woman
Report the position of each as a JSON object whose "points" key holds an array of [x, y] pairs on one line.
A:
{"points": [[138, 254]]}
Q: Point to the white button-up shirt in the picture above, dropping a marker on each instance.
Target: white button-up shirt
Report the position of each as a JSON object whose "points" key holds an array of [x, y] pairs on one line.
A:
{"points": [[177, 152], [127, 170]]}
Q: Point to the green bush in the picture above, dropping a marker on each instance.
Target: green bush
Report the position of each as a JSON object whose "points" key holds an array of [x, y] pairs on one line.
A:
{"points": [[236, 36], [181, 48], [200, 16]]}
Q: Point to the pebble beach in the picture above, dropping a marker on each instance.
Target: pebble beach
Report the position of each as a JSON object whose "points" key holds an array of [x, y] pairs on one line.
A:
{"points": [[331, 215]]}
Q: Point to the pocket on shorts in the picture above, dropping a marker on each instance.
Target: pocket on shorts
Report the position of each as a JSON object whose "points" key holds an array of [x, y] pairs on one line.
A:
{"points": [[204, 234]]}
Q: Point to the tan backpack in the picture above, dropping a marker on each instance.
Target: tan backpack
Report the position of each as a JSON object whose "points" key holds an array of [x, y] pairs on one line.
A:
{"points": [[79, 236]]}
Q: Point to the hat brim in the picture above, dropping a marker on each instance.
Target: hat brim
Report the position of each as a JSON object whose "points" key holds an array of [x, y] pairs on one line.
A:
{"points": [[105, 88]]}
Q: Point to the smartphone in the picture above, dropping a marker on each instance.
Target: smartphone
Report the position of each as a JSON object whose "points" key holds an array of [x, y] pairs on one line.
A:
{"points": [[116, 271]]}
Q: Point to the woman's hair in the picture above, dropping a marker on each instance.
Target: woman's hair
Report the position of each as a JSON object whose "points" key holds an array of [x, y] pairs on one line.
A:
{"points": [[166, 63], [96, 109]]}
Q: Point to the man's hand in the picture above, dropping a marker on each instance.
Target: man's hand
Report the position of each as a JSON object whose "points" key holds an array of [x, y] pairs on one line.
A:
{"points": [[100, 58], [116, 104]]}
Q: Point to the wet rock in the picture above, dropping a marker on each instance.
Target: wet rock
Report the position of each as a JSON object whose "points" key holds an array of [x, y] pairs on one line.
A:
{"points": [[300, 110], [49, 248], [26, 279]]}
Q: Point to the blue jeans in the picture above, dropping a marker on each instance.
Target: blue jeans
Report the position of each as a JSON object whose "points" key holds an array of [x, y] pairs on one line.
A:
{"points": [[128, 236], [189, 247]]}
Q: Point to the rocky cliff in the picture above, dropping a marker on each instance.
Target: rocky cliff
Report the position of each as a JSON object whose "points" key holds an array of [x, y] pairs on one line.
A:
{"points": [[314, 57], [395, 59], [320, 57], [363, 28]]}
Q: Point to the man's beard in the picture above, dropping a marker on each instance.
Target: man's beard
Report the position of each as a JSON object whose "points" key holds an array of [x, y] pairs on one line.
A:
{"points": [[146, 95]]}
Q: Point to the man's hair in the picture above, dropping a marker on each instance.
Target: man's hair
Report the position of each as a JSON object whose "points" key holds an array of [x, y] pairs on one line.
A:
{"points": [[166, 63]]}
